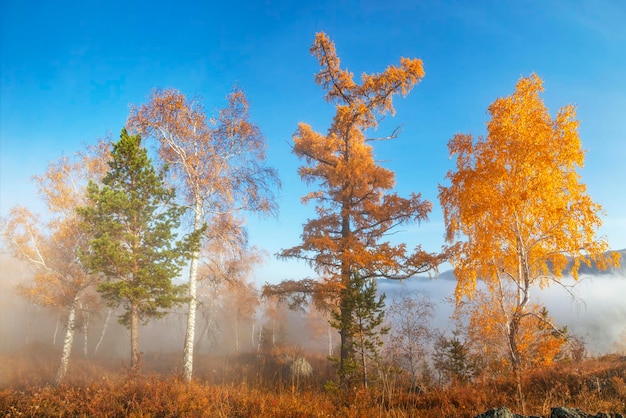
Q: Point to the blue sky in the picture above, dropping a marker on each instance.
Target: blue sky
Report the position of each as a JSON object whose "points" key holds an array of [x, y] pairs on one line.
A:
{"points": [[70, 70]]}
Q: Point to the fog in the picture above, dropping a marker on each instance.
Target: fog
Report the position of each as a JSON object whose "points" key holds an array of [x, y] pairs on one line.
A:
{"points": [[23, 324], [598, 315], [594, 307]]}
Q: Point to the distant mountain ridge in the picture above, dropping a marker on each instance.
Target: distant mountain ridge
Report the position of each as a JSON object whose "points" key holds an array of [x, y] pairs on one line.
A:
{"points": [[594, 271], [584, 270]]}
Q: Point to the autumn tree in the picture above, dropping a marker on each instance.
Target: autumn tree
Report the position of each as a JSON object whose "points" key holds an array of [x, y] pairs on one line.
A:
{"points": [[51, 243], [516, 210], [132, 220], [354, 206], [483, 319], [217, 164]]}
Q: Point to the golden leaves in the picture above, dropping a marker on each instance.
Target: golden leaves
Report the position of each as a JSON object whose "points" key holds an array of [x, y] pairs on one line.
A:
{"points": [[517, 213], [354, 210], [516, 191], [215, 162]]}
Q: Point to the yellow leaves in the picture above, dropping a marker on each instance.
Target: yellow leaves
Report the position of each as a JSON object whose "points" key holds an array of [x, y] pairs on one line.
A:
{"points": [[517, 203], [518, 186]]}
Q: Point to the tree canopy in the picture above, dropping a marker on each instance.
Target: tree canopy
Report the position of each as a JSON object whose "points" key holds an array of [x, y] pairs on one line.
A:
{"points": [[132, 219]]}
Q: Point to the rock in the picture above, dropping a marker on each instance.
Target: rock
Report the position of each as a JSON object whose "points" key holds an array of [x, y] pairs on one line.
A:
{"points": [[558, 412], [499, 413], [562, 412]]}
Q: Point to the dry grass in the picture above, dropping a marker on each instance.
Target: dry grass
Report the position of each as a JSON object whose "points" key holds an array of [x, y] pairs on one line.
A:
{"points": [[251, 386]]}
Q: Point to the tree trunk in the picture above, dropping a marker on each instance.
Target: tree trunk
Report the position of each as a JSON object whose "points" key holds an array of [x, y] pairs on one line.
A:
{"points": [[68, 342], [346, 354], [253, 329], [346, 350], [363, 356], [134, 337], [85, 333], [516, 361], [56, 330], [193, 302], [104, 329]]}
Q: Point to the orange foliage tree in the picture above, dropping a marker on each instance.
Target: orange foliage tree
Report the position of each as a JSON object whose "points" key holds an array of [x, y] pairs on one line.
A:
{"points": [[217, 165], [51, 244], [516, 210], [539, 341], [354, 209]]}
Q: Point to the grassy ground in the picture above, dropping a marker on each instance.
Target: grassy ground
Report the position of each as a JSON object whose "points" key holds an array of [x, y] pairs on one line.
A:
{"points": [[255, 386]]}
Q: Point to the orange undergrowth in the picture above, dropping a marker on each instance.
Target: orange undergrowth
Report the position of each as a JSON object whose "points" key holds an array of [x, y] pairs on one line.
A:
{"points": [[93, 389]]}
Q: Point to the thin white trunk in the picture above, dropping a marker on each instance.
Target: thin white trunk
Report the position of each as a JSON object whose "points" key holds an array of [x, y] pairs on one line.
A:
{"points": [[253, 329], [331, 351], [56, 331], [104, 330], [259, 338], [85, 333], [193, 302], [67, 343]]}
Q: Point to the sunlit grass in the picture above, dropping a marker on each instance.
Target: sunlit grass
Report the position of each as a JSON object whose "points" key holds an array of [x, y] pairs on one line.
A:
{"points": [[238, 387]]}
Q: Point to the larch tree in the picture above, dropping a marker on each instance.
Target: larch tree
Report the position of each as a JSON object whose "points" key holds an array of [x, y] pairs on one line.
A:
{"points": [[516, 210], [51, 243], [219, 165], [131, 218], [354, 206]]}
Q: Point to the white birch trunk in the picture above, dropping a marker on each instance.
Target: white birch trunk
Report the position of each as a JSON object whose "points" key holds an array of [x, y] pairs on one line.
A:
{"points": [[85, 334], [331, 350], [56, 331], [67, 343], [253, 329], [104, 330], [193, 302]]}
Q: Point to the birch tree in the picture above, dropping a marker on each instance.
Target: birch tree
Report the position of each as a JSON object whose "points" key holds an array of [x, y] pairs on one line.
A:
{"points": [[51, 243], [516, 211], [217, 164]]}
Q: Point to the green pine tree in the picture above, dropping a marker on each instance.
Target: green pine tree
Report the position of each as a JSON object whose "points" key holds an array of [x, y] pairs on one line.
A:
{"points": [[362, 326], [132, 219]]}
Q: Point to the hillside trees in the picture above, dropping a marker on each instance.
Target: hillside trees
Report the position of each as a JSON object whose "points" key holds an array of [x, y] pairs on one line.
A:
{"points": [[516, 211], [51, 243], [355, 210], [131, 219], [218, 165]]}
